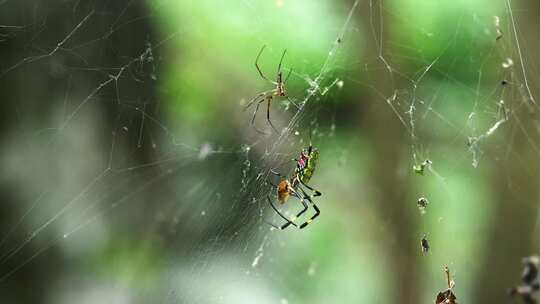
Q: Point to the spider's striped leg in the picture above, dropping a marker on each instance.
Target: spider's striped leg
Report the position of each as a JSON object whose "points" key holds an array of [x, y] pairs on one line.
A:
{"points": [[292, 221], [317, 211], [281, 215], [306, 206]]}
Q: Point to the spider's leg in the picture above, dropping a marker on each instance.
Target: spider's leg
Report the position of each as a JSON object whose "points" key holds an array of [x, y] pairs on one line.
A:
{"points": [[281, 176], [277, 173], [317, 212], [255, 112], [294, 104], [316, 192], [276, 226], [252, 101], [281, 60], [255, 115], [257, 64], [273, 185], [281, 215], [288, 75], [306, 206], [268, 115]]}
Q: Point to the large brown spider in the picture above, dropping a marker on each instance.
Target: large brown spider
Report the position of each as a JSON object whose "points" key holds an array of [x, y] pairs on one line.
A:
{"points": [[268, 96]]}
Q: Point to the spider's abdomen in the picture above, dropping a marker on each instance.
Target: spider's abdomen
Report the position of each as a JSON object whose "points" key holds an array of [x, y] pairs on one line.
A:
{"points": [[309, 169]]}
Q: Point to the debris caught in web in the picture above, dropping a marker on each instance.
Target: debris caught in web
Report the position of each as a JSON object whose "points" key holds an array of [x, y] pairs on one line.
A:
{"points": [[447, 296], [424, 243], [528, 290], [422, 167], [204, 151], [508, 63], [422, 204]]}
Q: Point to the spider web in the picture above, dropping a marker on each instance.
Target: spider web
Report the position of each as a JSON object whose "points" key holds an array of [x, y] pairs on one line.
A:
{"points": [[131, 173]]}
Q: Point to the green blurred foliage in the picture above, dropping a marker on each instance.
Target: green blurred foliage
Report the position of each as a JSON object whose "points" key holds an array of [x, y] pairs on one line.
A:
{"points": [[204, 217]]}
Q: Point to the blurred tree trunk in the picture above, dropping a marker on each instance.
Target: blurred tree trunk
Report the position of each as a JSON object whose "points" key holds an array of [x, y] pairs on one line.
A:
{"points": [[390, 142], [513, 223], [516, 208]]}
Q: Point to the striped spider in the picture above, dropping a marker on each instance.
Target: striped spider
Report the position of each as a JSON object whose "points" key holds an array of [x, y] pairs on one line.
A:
{"points": [[294, 186]]}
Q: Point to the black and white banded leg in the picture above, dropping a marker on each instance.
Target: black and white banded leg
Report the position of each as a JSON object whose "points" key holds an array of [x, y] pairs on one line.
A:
{"points": [[287, 224], [317, 210]]}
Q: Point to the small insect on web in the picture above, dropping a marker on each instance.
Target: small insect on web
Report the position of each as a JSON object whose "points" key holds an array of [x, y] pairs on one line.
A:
{"points": [[268, 96], [294, 186]]}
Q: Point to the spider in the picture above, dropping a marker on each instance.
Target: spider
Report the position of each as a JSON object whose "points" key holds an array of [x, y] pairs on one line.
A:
{"points": [[294, 186], [269, 95]]}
